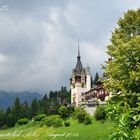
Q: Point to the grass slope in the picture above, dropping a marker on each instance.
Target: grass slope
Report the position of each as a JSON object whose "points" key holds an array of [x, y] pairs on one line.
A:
{"points": [[95, 131]]}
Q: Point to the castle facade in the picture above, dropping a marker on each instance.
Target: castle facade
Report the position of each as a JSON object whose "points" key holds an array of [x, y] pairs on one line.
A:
{"points": [[83, 93]]}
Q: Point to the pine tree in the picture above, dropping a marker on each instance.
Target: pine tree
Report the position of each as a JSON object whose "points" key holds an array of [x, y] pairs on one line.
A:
{"points": [[9, 117], [96, 79], [45, 97], [10, 120], [34, 108], [25, 110], [1, 118], [16, 110]]}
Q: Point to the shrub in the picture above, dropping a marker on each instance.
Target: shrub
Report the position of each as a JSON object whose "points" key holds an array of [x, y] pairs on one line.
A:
{"points": [[87, 120], [122, 129], [48, 122], [40, 117], [57, 122], [100, 113], [22, 121], [81, 117], [71, 109], [78, 111], [53, 120], [67, 124], [41, 124], [63, 111], [4, 127]]}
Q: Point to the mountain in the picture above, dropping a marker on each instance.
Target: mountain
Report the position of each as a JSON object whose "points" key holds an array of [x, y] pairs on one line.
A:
{"points": [[7, 98]]}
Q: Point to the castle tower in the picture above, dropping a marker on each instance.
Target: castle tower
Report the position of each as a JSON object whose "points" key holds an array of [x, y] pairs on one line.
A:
{"points": [[80, 81]]}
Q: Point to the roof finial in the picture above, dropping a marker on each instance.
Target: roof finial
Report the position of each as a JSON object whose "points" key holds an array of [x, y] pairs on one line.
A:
{"points": [[78, 48]]}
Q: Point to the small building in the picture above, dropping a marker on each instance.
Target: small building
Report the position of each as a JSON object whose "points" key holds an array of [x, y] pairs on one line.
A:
{"points": [[97, 91]]}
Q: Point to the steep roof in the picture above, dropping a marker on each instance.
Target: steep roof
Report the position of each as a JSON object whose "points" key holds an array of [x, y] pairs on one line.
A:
{"points": [[79, 65]]}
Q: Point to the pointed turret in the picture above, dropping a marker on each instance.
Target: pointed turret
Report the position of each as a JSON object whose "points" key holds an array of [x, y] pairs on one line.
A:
{"points": [[80, 81], [79, 65]]}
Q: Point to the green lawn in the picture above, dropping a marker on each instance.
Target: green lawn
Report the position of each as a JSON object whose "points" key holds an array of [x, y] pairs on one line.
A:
{"points": [[76, 131], [95, 131]]}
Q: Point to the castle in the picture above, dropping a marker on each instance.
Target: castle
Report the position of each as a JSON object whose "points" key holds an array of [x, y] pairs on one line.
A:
{"points": [[80, 82], [83, 93]]}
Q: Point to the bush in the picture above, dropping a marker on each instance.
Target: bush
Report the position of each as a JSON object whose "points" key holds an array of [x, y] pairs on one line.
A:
{"points": [[63, 111], [57, 123], [4, 127], [40, 117], [53, 120], [81, 117], [78, 111], [67, 124], [47, 121], [100, 113], [87, 120], [123, 128], [71, 109], [22, 121]]}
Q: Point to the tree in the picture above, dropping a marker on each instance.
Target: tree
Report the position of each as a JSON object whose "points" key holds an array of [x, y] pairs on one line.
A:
{"points": [[124, 67], [8, 111], [16, 110], [10, 117], [96, 79], [123, 70], [1, 118], [45, 97], [43, 105], [63, 111], [34, 108], [10, 121], [53, 95], [25, 110], [64, 95], [63, 89], [53, 109]]}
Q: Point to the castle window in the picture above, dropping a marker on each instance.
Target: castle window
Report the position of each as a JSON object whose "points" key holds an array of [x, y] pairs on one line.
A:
{"points": [[83, 79]]}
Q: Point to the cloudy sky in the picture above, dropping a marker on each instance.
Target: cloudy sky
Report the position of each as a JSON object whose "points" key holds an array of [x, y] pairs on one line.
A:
{"points": [[38, 39]]}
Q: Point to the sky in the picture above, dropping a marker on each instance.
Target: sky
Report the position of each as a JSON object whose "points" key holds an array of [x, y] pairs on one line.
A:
{"points": [[38, 40]]}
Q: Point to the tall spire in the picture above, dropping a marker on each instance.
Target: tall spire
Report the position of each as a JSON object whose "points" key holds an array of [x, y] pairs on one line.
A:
{"points": [[79, 66], [78, 49]]}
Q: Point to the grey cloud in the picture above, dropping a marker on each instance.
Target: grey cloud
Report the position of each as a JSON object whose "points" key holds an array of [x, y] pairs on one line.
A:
{"points": [[38, 40]]}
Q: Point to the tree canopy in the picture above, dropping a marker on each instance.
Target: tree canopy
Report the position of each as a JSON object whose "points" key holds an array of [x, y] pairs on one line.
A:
{"points": [[123, 72], [123, 68]]}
